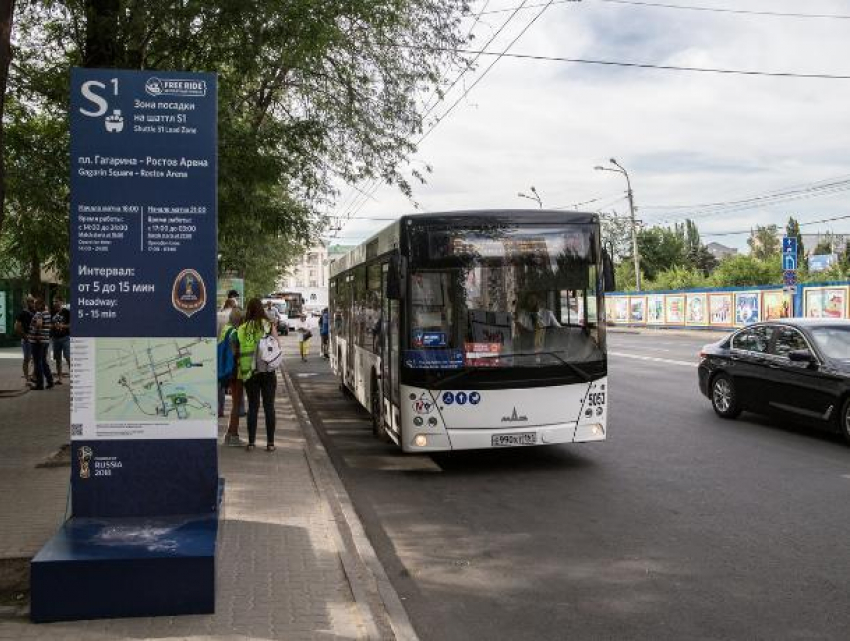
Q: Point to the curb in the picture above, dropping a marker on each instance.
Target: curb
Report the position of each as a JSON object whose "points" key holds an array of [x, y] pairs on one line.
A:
{"points": [[354, 541]]}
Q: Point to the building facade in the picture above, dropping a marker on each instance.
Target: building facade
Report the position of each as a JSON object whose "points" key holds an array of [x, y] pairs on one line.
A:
{"points": [[310, 275]]}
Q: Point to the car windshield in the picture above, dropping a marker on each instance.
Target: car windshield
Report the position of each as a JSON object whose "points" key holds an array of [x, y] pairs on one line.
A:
{"points": [[507, 297], [833, 342]]}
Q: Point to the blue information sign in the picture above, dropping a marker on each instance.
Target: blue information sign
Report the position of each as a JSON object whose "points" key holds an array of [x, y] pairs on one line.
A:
{"points": [[143, 279], [789, 253]]}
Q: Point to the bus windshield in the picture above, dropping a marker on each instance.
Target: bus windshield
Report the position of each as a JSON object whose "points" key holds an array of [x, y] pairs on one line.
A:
{"points": [[505, 300]]}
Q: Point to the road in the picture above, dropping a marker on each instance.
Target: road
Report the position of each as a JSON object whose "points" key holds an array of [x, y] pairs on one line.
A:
{"points": [[680, 526]]}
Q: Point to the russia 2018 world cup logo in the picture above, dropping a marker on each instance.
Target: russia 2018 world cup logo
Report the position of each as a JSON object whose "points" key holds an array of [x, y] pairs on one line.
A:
{"points": [[84, 454]]}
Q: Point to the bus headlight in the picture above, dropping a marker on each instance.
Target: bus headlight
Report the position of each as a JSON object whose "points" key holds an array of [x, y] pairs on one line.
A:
{"points": [[417, 421], [596, 429], [432, 421], [420, 441]]}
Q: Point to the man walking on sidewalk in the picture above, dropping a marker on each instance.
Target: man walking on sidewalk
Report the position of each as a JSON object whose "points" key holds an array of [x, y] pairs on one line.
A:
{"points": [[39, 337]]}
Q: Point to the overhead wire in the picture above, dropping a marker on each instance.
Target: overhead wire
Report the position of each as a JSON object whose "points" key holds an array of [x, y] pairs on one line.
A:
{"points": [[636, 65], [688, 7], [448, 111], [356, 205]]}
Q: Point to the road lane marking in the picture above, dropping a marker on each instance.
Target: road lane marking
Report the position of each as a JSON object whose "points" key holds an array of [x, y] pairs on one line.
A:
{"points": [[653, 359]]}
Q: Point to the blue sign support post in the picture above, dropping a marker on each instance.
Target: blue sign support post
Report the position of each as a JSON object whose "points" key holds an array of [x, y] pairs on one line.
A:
{"points": [[143, 386]]}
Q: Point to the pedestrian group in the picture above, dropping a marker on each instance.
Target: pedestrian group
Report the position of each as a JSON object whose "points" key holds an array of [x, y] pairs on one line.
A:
{"points": [[43, 331]]}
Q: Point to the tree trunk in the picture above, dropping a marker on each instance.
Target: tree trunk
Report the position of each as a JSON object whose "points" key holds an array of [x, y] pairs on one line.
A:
{"points": [[35, 275], [7, 10], [101, 33]]}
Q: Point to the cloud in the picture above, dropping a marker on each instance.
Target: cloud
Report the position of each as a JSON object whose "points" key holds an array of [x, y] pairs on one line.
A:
{"points": [[685, 137]]}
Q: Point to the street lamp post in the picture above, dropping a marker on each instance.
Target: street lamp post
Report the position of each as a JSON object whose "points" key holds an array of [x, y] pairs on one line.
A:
{"points": [[535, 197], [620, 170]]}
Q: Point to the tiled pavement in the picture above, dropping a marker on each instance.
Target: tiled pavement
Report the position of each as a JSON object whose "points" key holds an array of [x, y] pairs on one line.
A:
{"points": [[286, 565]]}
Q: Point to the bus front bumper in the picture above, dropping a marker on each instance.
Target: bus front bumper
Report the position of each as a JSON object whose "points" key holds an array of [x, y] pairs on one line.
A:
{"points": [[480, 439]]}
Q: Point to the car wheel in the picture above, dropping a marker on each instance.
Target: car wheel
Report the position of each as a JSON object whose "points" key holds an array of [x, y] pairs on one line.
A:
{"points": [[844, 421], [723, 397]]}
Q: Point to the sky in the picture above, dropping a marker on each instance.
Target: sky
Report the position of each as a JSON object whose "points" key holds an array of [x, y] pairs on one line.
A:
{"points": [[687, 139]]}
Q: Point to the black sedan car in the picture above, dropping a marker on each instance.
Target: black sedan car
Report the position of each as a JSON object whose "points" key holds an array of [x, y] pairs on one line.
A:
{"points": [[792, 368]]}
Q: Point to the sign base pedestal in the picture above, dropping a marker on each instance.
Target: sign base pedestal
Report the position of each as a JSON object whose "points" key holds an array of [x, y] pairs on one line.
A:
{"points": [[127, 567]]}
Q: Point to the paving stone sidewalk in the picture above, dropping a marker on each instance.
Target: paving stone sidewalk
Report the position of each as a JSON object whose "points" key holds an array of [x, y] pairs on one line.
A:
{"points": [[284, 570]]}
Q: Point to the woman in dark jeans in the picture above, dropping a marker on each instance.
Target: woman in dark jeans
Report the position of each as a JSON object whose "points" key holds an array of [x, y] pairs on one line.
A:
{"points": [[245, 339]]}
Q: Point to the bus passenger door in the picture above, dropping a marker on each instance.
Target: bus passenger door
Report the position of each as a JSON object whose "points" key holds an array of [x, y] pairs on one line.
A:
{"points": [[388, 352]]}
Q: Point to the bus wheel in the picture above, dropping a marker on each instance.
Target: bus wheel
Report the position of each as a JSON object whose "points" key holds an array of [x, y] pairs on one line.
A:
{"points": [[375, 407]]}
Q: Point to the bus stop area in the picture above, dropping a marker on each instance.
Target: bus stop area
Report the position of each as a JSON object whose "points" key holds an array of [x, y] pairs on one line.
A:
{"points": [[293, 561]]}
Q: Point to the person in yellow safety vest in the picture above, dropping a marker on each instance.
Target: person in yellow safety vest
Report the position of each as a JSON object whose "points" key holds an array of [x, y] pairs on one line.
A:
{"points": [[237, 394], [257, 384]]}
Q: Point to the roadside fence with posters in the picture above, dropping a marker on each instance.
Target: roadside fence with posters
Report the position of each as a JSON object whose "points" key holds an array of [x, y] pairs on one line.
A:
{"points": [[727, 308]]}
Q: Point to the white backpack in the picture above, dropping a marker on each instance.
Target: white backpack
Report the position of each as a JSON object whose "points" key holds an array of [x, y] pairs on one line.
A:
{"points": [[269, 355]]}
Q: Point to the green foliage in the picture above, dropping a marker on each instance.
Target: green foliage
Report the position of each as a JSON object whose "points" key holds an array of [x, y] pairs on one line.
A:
{"points": [[678, 278], [36, 228], [624, 276], [311, 94], [824, 246], [743, 271], [764, 242], [660, 248], [617, 236]]}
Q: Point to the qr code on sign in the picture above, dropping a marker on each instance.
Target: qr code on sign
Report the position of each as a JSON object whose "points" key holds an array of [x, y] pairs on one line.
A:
{"points": [[76, 429]]}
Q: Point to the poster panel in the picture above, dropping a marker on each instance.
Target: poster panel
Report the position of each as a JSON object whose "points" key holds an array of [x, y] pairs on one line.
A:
{"points": [[675, 310], [637, 309], [747, 308], [655, 309], [825, 302], [776, 304], [3, 312], [720, 309], [697, 309], [143, 280], [621, 309], [610, 309]]}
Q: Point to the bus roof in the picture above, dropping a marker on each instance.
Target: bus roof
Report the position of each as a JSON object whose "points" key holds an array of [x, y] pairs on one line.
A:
{"points": [[388, 238]]}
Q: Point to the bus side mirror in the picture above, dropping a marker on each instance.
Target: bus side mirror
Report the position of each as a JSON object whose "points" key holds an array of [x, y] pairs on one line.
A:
{"points": [[609, 283], [395, 278]]}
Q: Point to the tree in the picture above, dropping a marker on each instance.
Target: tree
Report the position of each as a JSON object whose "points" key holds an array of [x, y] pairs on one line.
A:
{"points": [[696, 255], [36, 234], [7, 11], [311, 94], [745, 271], [678, 278], [617, 235], [825, 245], [764, 242], [660, 248]]}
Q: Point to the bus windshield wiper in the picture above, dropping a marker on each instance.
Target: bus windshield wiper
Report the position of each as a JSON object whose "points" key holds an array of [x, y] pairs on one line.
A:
{"points": [[456, 375], [575, 368]]}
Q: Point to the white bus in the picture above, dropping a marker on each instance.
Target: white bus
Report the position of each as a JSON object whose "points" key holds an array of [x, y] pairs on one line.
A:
{"points": [[477, 329]]}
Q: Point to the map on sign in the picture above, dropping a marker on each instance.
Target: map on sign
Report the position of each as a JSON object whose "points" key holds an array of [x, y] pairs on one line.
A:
{"points": [[144, 379]]}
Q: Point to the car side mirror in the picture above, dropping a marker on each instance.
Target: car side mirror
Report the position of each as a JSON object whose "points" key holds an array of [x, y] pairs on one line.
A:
{"points": [[801, 356]]}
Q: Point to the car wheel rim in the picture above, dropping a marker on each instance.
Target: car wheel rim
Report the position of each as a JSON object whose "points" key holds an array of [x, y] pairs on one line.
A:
{"points": [[847, 421], [722, 395]]}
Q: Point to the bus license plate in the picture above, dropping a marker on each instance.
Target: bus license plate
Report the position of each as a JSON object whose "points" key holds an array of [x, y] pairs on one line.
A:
{"points": [[507, 440]]}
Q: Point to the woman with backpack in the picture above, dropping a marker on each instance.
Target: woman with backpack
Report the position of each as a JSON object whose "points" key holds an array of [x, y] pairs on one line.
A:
{"points": [[227, 379], [250, 365]]}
